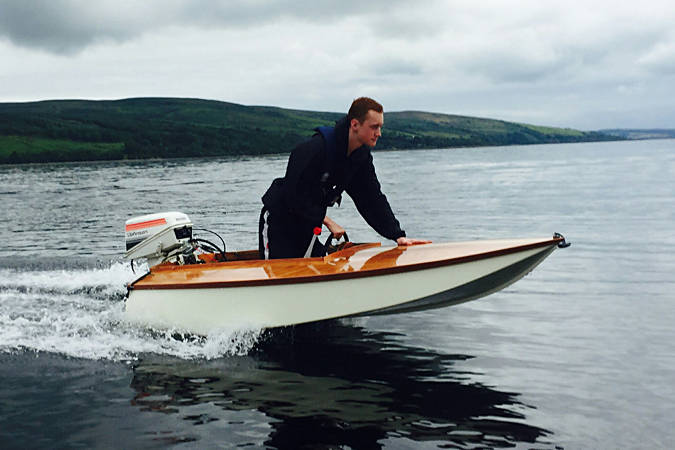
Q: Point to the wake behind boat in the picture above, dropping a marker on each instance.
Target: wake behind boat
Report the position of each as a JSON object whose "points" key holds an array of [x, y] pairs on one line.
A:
{"points": [[201, 293]]}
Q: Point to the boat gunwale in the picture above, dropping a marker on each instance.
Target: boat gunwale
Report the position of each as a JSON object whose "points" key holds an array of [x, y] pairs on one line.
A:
{"points": [[346, 275]]}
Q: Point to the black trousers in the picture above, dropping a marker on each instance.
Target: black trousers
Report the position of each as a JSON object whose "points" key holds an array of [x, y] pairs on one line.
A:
{"points": [[285, 236]]}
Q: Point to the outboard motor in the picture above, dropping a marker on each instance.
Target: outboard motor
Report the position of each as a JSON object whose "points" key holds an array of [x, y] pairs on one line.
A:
{"points": [[159, 237]]}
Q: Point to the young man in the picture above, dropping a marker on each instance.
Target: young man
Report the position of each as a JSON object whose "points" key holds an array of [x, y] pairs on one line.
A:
{"points": [[334, 160]]}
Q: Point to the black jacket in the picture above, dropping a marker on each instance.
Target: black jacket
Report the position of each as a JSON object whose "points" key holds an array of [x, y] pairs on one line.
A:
{"points": [[314, 179]]}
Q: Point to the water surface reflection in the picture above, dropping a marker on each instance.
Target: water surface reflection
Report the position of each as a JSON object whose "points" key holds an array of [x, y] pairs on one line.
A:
{"points": [[332, 384]]}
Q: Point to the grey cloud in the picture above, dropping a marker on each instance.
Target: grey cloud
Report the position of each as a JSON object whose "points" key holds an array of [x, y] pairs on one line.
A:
{"points": [[396, 67], [246, 12], [60, 27], [514, 68], [660, 59], [616, 56], [408, 28], [68, 26]]}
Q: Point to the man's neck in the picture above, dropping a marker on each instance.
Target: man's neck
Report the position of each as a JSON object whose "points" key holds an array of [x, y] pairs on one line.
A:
{"points": [[353, 143]]}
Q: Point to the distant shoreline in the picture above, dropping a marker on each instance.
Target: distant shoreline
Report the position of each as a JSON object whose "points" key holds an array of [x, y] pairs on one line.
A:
{"points": [[169, 128], [284, 154]]}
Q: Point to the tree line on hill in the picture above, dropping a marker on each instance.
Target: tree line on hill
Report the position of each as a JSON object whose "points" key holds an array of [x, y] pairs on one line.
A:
{"points": [[79, 130]]}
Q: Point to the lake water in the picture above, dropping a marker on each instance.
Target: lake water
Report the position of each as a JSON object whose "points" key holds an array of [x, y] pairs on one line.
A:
{"points": [[578, 354]]}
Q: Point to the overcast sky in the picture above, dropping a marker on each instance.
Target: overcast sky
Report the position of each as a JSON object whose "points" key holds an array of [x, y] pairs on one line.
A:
{"points": [[581, 64]]}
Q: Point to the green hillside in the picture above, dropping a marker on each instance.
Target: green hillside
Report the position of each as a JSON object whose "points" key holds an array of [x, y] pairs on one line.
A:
{"points": [[81, 130]]}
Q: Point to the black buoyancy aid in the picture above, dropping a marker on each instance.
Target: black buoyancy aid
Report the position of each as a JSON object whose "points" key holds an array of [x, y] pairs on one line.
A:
{"points": [[332, 192]]}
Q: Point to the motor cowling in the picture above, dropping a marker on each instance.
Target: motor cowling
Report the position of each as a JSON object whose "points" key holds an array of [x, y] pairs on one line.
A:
{"points": [[157, 237]]}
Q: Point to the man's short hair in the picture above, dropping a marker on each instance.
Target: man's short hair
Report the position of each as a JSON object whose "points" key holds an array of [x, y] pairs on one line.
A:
{"points": [[360, 108]]}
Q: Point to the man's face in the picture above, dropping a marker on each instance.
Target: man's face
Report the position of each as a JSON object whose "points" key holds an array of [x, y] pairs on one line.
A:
{"points": [[370, 130]]}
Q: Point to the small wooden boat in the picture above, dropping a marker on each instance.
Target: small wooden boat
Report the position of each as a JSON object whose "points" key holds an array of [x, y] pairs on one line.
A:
{"points": [[359, 280]]}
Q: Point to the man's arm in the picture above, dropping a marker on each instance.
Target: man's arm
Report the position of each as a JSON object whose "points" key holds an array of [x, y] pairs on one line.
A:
{"points": [[404, 241], [372, 204], [334, 227]]}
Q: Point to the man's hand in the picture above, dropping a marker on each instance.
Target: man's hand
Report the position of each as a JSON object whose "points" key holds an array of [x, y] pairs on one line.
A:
{"points": [[333, 227], [409, 241]]}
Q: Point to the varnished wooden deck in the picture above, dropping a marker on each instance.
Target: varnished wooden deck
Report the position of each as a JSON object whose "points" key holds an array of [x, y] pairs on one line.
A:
{"points": [[357, 261]]}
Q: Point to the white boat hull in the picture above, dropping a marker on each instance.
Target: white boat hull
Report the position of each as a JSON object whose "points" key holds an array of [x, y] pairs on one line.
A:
{"points": [[205, 310]]}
